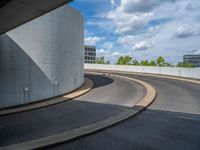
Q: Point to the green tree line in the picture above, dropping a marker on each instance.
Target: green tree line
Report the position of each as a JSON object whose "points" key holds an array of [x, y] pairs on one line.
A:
{"points": [[128, 60]]}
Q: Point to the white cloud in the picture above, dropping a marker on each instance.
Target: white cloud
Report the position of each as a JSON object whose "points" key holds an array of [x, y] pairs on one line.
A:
{"points": [[197, 52], [132, 16], [125, 23], [172, 25], [127, 39], [103, 52], [112, 2], [187, 30], [108, 45], [93, 40], [193, 7], [143, 45], [115, 54], [131, 6]]}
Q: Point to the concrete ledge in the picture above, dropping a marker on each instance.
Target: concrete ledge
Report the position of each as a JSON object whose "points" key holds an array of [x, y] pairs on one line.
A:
{"points": [[195, 81], [87, 86], [91, 128], [193, 73]]}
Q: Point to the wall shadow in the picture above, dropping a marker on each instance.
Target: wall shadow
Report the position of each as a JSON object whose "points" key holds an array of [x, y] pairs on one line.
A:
{"points": [[99, 80], [22, 81]]}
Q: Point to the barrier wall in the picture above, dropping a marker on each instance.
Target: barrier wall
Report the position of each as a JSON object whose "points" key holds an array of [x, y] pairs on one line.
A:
{"points": [[173, 71], [42, 58]]}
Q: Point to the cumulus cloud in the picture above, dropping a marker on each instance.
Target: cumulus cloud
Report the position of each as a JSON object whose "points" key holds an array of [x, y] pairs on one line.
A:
{"points": [[172, 25], [93, 40], [130, 40], [197, 52], [115, 54], [101, 52], [143, 45], [187, 30], [193, 7], [132, 6], [128, 23], [108, 45], [112, 2], [133, 15], [127, 40]]}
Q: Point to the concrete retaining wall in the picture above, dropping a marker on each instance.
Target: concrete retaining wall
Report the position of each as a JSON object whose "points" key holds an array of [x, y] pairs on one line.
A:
{"points": [[42, 58], [179, 72]]}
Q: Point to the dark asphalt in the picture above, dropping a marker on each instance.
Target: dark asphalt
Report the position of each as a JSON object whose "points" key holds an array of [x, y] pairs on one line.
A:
{"points": [[89, 108], [174, 95], [120, 92], [172, 122]]}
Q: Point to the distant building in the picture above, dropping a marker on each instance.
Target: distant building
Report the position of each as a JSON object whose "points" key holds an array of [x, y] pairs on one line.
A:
{"points": [[90, 54], [192, 59]]}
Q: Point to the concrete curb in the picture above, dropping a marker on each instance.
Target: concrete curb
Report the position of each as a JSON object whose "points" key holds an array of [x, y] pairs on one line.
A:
{"points": [[86, 87], [150, 95], [91, 128]]}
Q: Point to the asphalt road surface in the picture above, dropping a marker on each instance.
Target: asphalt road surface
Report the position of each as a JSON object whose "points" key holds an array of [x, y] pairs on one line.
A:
{"points": [[109, 97], [172, 122]]}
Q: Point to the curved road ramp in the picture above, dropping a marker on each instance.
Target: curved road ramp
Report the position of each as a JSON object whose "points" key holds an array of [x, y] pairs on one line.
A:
{"points": [[170, 122], [92, 112]]}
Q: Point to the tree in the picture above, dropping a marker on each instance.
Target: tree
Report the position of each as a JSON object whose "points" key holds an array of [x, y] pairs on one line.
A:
{"points": [[100, 60], [152, 63], [160, 61], [120, 60], [144, 63], [185, 65], [128, 59], [135, 62], [167, 64], [124, 60], [107, 61]]}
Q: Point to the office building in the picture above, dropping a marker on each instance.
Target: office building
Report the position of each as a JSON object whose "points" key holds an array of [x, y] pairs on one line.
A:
{"points": [[192, 59], [90, 54]]}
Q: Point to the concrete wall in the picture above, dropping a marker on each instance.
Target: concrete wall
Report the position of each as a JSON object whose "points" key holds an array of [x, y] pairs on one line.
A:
{"points": [[42, 58], [180, 72]]}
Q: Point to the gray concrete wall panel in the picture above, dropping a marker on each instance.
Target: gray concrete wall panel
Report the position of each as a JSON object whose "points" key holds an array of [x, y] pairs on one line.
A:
{"points": [[42, 58]]}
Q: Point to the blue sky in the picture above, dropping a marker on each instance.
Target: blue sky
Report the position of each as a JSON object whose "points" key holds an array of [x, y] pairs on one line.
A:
{"points": [[140, 28]]}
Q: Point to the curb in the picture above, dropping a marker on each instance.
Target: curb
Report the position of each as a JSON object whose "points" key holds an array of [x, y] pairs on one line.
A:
{"points": [[91, 128], [86, 87], [150, 95]]}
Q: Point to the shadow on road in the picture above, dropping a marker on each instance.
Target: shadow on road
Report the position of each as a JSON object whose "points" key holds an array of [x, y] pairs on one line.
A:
{"points": [[99, 80], [51, 120], [150, 130]]}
